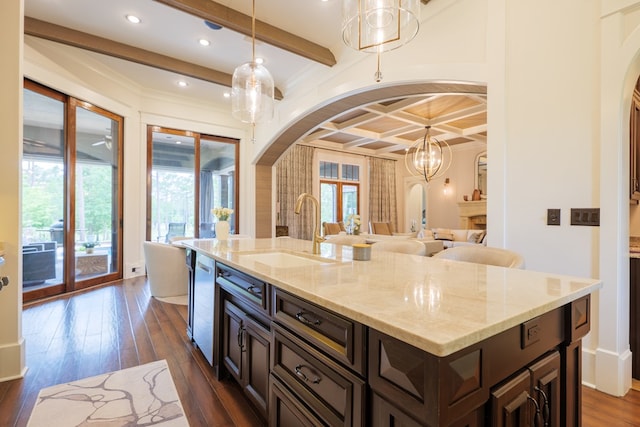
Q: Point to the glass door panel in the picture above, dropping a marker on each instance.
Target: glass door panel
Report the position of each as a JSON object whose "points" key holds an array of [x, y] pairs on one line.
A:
{"points": [[172, 186], [43, 192], [329, 202], [96, 219], [217, 183], [349, 200]]}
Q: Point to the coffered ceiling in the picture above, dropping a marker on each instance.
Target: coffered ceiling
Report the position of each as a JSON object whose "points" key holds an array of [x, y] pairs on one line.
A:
{"points": [[391, 126]]}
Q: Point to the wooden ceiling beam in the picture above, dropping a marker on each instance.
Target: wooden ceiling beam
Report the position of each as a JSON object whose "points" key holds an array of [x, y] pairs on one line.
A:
{"points": [[241, 23], [68, 36]]}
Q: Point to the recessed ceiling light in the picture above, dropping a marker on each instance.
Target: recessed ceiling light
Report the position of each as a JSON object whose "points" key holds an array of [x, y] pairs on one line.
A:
{"points": [[182, 83], [226, 95], [204, 42], [133, 19], [259, 61]]}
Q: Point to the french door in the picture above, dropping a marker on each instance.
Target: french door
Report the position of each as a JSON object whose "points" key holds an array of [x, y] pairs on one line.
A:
{"points": [[338, 200], [71, 193], [189, 174]]}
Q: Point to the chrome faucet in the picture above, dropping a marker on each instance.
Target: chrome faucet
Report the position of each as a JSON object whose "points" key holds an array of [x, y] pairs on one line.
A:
{"points": [[317, 238]]}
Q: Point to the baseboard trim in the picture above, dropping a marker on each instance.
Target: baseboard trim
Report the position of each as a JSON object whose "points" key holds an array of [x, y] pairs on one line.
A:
{"points": [[12, 361], [613, 372]]}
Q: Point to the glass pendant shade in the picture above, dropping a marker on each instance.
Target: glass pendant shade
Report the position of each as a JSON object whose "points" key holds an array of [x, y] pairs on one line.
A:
{"points": [[428, 158], [379, 25], [252, 93]]}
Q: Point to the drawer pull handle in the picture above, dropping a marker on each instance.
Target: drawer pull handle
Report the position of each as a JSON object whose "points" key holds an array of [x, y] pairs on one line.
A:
{"points": [[255, 291], [201, 266], [315, 380], [301, 318]]}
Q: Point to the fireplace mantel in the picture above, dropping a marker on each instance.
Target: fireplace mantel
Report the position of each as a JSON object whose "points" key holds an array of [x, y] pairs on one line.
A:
{"points": [[473, 214]]}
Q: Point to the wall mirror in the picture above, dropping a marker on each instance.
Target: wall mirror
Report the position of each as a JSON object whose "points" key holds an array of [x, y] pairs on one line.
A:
{"points": [[481, 174]]}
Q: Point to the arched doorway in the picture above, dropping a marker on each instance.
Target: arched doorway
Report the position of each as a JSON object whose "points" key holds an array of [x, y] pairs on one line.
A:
{"points": [[264, 224]]}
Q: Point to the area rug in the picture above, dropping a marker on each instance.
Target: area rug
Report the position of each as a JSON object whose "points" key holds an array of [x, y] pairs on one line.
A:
{"points": [[140, 396]]}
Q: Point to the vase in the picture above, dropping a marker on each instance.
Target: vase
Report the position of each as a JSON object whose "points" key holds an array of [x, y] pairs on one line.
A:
{"points": [[222, 230]]}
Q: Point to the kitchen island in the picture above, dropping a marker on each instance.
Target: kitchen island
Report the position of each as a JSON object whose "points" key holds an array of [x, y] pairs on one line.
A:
{"points": [[399, 339]]}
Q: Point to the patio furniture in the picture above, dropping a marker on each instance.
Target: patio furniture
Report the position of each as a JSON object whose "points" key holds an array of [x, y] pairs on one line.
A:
{"points": [[38, 263], [175, 229]]}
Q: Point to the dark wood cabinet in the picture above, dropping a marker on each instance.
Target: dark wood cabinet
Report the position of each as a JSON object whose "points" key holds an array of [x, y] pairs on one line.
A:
{"points": [[319, 356], [634, 148], [634, 316], [286, 410], [526, 372], [245, 334], [529, 399], [301, 364], [335, 394], [339, 337]]}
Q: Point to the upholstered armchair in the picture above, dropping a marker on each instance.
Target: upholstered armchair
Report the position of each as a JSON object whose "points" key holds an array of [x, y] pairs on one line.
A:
{"points": [[166, 269], [332, 228], [381, 228]]}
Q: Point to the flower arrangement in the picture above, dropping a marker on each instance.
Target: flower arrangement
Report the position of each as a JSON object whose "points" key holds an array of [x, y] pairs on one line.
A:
{"points": [[222, 213], [353, 222]]}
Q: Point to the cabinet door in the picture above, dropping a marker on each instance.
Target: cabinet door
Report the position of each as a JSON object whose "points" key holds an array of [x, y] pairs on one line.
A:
{"points": [[634, 148], [545, 388], [233, 340], [384, 414], [203, 306], [257, 341], [510, 403], [634, 317]]}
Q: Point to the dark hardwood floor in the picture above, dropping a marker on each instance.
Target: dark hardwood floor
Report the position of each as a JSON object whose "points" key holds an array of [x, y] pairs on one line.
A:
{"points": [[115, 327], [120, 325]]}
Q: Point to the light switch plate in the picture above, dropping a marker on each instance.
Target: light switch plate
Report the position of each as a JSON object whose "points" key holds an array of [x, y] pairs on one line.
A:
{"points": [[585, 216], [553, 216]]}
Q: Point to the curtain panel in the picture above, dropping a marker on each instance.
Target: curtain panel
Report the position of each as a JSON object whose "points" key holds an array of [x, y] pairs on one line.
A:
{"points": [[382, 191], [294, 176]]}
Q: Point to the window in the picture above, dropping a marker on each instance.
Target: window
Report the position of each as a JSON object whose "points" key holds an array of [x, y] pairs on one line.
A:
{"points": [[182, 164], [339, 194]]}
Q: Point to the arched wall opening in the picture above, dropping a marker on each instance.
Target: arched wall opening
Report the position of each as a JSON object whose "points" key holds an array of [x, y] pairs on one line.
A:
{"points": [[264, 225]]}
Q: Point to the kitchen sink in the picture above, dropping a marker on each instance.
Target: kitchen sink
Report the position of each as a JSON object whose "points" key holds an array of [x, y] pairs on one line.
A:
{"points": [[281, 259]]}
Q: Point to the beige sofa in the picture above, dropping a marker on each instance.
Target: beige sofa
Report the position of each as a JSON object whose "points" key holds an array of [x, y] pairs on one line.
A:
{"points": [[452, 237]]}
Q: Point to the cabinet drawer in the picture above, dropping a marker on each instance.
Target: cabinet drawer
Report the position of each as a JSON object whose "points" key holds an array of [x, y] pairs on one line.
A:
{"points": [[339, 337], [285, 410], [336, 394], [251, 289]]}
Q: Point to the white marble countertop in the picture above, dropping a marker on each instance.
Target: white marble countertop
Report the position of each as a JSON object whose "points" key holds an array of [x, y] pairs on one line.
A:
{"points": [[440, 306]]}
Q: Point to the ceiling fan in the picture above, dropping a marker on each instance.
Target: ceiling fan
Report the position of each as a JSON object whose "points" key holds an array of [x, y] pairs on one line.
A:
{"points": [[106, 142]]}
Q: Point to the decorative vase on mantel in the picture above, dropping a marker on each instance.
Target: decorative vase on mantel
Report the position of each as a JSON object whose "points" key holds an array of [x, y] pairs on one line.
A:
{"points": [[222, 230]]}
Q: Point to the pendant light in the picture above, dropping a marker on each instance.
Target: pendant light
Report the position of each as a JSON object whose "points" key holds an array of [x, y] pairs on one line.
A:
{"points": [[428, 158], [252, 87], [378, 26]]}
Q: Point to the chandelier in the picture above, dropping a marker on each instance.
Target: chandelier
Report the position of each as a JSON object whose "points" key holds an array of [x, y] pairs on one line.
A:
{"points": [[428, 158], [378, 26], [252, 88]]}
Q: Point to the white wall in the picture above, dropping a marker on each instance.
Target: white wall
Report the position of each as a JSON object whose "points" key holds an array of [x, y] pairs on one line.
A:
{"points": [[443, 211]]}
